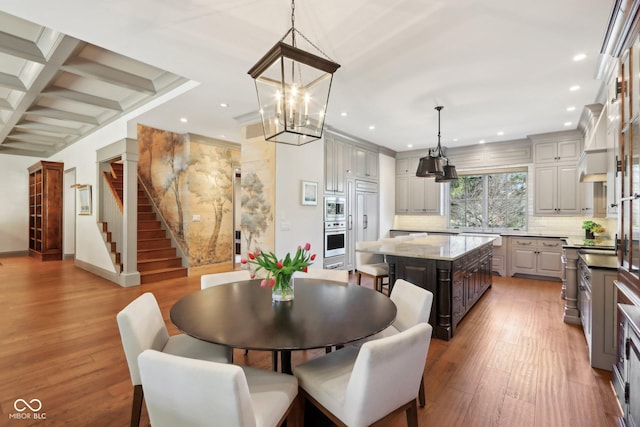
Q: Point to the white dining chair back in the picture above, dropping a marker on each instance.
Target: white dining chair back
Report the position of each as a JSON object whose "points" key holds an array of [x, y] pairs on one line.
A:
{"points": [[413, 304], [215, 279], [142, 327], [359, 388], [341, 276], [196, 393]]}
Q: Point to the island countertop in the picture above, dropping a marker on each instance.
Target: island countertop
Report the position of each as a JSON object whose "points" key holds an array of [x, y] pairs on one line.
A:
{"points": [[437, 247]]}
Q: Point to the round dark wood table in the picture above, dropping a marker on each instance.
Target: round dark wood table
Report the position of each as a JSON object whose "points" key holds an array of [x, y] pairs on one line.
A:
{"points": [[322, 314]]}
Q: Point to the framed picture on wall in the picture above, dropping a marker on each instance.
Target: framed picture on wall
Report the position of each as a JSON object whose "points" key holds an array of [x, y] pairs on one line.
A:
{"points": [[84, 200], [309, 193]]}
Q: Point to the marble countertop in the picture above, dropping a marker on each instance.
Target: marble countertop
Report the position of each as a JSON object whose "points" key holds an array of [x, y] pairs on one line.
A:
{"points": [[437, 247]]}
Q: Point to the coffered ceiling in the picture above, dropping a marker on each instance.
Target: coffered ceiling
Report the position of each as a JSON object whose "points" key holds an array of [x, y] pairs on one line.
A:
{"points": [[501, 68], [55, 89]]}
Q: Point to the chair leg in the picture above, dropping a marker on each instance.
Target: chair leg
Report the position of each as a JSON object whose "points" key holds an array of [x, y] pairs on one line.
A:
{"points": [[274, 361], [136, 407], [412, 414], [421, 392], [359, 278]]}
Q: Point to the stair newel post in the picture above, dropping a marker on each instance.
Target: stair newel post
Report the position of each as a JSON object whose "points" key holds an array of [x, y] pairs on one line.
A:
{"points": [[130, 218]]}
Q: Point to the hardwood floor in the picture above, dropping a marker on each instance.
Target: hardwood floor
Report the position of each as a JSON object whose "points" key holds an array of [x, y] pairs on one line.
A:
{"points": [[513, 362]]}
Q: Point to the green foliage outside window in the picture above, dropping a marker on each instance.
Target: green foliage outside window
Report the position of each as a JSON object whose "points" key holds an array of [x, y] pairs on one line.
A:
{"points": [[489, 201]]}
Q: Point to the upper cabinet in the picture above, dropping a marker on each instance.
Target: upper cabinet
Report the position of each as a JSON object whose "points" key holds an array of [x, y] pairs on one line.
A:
{"points": [[344, 160], [415, 195], [334, 165], [557, 151]]}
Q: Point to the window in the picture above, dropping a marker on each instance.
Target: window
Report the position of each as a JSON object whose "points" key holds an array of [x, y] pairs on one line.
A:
{"points": [[490, 200]]}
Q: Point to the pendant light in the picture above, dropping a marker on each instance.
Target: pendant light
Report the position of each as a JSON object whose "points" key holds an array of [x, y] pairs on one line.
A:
{"points": [[293, 90], [435, 164]]}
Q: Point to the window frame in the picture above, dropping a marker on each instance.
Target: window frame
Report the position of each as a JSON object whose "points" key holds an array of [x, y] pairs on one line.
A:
{"points": [[485, 205]]}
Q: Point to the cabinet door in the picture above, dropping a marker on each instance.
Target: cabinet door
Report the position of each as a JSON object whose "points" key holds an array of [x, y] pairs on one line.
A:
{"points": [[568, 198], [417, 194], [545, 192], [367, 216], [568, 150], [402, 167], [360, 161], [549, 262], [329, 164], [524, 260], [633, 379], [372, 159], [402, 194], [546, 152]]}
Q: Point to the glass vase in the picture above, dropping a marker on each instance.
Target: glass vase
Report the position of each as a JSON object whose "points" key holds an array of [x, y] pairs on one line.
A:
{"points": [[283, 289]]}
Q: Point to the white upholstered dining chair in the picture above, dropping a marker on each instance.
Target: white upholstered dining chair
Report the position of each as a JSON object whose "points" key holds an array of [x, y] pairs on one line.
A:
{"points": [[333, 275], [208, 280], [196, 393], [357, 388], [142, 327], [372, 265], [413, 305]]}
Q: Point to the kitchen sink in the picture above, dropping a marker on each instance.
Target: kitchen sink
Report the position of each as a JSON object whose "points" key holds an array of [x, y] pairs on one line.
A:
{"points": [[496, 242]]}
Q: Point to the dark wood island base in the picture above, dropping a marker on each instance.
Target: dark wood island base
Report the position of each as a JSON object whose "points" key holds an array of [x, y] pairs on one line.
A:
{"points": [[456, 284]]}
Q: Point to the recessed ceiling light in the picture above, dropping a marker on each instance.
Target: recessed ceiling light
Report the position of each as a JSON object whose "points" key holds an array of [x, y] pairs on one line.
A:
{"points": [[568, 123], [224, 104], [572, 108], [372, 127], [574, 88], [579, 57], [482, 141], [183, 119], [409, 145], [455, 139], [343, 114], [222, 136], [500, 133]]}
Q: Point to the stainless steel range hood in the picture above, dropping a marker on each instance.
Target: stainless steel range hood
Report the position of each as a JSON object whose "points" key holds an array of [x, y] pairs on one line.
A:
{"points": [[593, 166]]}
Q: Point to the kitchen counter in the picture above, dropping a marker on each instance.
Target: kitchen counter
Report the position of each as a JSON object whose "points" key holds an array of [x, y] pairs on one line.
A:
{"points": [[603, 261], [455, 269], [578, 242], [436, 247]]}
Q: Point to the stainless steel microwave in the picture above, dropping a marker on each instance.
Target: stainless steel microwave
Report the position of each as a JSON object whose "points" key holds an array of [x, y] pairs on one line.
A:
{"points": [[334, 208]]}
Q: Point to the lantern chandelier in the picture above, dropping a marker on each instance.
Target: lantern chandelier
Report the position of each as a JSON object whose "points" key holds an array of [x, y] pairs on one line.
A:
{"points": [[293, 90], [435, 164]]}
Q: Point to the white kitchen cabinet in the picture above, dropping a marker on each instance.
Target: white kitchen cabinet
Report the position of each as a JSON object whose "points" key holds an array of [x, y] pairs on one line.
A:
{"points": [[364, 163], [402, 194], [557, 151], [424, 195], [536, 256], [334, 166], [406, 166], [556, 190]]}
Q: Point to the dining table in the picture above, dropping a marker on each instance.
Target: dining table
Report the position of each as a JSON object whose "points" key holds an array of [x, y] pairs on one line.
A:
{"points": [[322, 314]]}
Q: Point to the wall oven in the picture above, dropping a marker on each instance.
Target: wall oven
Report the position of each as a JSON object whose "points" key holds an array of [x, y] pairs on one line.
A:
{"points": [[335, 238], [334, 208]]}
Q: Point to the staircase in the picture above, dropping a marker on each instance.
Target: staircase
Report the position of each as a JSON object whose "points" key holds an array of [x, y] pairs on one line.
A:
{"points": [[157, 260]]}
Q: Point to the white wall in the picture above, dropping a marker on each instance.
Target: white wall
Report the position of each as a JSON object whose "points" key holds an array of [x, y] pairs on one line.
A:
{"points": [[14, 209], [297, 224]]}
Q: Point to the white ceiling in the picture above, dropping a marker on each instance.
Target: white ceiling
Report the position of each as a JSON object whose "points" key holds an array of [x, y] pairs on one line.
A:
{"points": [[495, 65]]}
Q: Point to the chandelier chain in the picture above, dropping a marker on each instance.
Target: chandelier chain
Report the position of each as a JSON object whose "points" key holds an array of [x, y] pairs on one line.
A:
{"points": [[293, 32]]}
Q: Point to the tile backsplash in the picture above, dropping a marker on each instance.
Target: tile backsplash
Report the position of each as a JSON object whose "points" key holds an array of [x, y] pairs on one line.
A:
{"points": [[543, 225]]}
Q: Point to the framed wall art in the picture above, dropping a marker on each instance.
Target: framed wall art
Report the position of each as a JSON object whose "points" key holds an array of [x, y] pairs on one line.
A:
{"points": [[309, 193], [84, 200]]}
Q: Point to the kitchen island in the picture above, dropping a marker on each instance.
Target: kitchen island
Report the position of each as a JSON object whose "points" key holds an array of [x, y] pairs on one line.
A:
{"points": [[456, 269]]}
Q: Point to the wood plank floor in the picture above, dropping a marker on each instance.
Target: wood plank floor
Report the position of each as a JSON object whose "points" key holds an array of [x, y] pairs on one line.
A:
{"points": [[513, 361]]}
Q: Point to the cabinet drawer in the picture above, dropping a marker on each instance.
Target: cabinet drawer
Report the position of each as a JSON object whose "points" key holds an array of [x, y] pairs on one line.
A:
{"points": [[523, 242]]}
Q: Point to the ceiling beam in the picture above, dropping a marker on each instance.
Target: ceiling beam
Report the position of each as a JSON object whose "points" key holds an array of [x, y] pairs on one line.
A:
{"points": [[85, 98], [65, 48], [22, 48], [12, 82], [4, 105], [67, 116], [35, 138], [46, 127], [93, 70]]}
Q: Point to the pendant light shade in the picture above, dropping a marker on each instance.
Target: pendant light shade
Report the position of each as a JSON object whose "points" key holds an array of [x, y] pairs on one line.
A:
{"points": [[435, 164], [293, 91]]}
